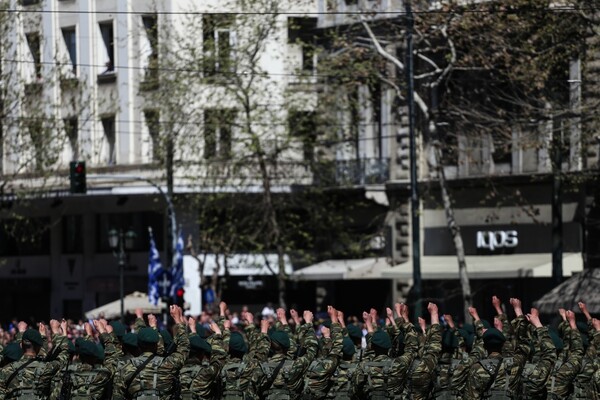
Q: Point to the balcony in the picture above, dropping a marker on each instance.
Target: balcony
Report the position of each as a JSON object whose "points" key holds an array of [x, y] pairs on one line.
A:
{"points": [[364, 171]]}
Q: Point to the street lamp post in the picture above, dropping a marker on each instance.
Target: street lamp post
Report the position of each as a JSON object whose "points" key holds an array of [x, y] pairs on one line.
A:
{"points": [[120, 242]]}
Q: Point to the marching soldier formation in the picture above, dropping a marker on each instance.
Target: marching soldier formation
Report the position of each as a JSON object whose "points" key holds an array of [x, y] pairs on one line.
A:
{"points": [[518, 359]]}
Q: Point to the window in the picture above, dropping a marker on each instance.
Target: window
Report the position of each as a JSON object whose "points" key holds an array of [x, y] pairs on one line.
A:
{"points": [[72, 131], [26, 237], [300, 31], [138, 222], [218, 44], [502, 148], [108, 49], [29, 2], [38, 137], [150, 48], [71, 43], [72, 234], [218, 133], [302, 125], [34, 43], [108, 124], [153, 124]]}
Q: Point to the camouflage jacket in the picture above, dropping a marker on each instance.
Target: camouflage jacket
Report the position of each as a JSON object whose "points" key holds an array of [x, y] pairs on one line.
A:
{"points": [[36, 377], [562, 376], [386, 374], [422, 373], [290, 378], [317, 378], [158, 376], [200, 380], [90, 382]]}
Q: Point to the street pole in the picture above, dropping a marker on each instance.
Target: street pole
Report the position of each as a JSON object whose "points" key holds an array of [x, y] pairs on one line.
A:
{"points": [[122, 273], [414, 190], [557, 223]]}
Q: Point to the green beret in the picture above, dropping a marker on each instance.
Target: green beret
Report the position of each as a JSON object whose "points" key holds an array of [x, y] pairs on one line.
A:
{"points": [[282, 338], [486, 324], [327, 324], [348, 347], [78, 342], [381, 339], [12, 352], [354, 331], [130, 339], [147, 336], [167, 338], [33, 336], [469, 338], [558, 343], [582, 327], [201, 330], [100, 351], [586, 341], [237, 343], [493, 336], [118, 328], [469, 328], [71, 347], [90, 349], [200, 345], [449, 340]]}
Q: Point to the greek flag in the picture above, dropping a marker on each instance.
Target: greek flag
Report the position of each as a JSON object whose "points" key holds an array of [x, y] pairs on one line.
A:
{"points": [[155, 272], [177, 280]]}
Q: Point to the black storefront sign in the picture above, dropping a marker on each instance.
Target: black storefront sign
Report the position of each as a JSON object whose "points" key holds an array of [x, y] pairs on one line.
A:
{"points": [[502, 239]]}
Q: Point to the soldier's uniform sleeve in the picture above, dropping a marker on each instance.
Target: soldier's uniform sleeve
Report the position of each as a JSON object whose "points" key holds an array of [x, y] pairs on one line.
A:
{"points": [[509, 334], [176, 360], [462, 370], [44, 350], [411, 345], [319, 374], [138, 324], [122, 376], [309, 343], [259, 348], [560, 382], [112, 351], [293, 350], [423, 376], [478, 379], [535, 383], [53, 367], [205, 382]]}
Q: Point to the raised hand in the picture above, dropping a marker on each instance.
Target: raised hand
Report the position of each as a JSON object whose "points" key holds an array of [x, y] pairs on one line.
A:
{"points": [[223, 308], [55, 327], [374, 317], [332, 314], [88, 329], [516, 304], [227, 324], [152, 321], [366, 316], [176, 314], [434, 313], [42, 329], [281, 316], [264, 326], [341, 319], [423, 325], [64, 327], [215, 328], [474, 313], [100, 326], [248, 317], [308, 317], [448, 318], [326, 332], [295, 317], [571, 318], [398, 309], [584, 310], [497, 305], [368, 322], [405, 313], [139, 313], [109, 328], [596, 324], [534, 318], [563, 313], [390, 317], [22, 326]]}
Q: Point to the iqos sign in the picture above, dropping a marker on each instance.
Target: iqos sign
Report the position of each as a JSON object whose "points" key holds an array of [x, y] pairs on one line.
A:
{"points": [[497, 239]]}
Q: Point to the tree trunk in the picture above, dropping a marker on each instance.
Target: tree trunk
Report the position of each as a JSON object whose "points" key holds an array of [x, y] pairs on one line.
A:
{"points": [[456, 236]]}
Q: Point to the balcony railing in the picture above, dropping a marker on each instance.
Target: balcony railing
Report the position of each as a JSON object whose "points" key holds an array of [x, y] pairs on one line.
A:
{"points": [[364, 171]]}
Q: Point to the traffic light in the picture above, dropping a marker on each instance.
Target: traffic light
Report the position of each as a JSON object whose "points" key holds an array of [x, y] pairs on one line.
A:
{"points": [[179, 297], [77, 177]]}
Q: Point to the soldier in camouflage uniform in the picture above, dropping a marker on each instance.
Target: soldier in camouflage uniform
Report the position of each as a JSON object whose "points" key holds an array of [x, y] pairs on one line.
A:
{"points": [[583, 381], [281, 377], [559, 385], [150, 376], [318, 375], [384, 377], [243, 360], [342, 385], [11, 353], [31, 376], [199, 377], [89, 379], [450, 358], [421, 380]]}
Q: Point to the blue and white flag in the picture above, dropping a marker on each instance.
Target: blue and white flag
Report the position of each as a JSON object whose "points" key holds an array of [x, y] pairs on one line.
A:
{"points": [[177, 281], [155, 273]]}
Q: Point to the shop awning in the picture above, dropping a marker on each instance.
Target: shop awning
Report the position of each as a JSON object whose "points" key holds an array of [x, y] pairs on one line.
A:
{"points": [[491, 267], [442, 267], [364, 268]]}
